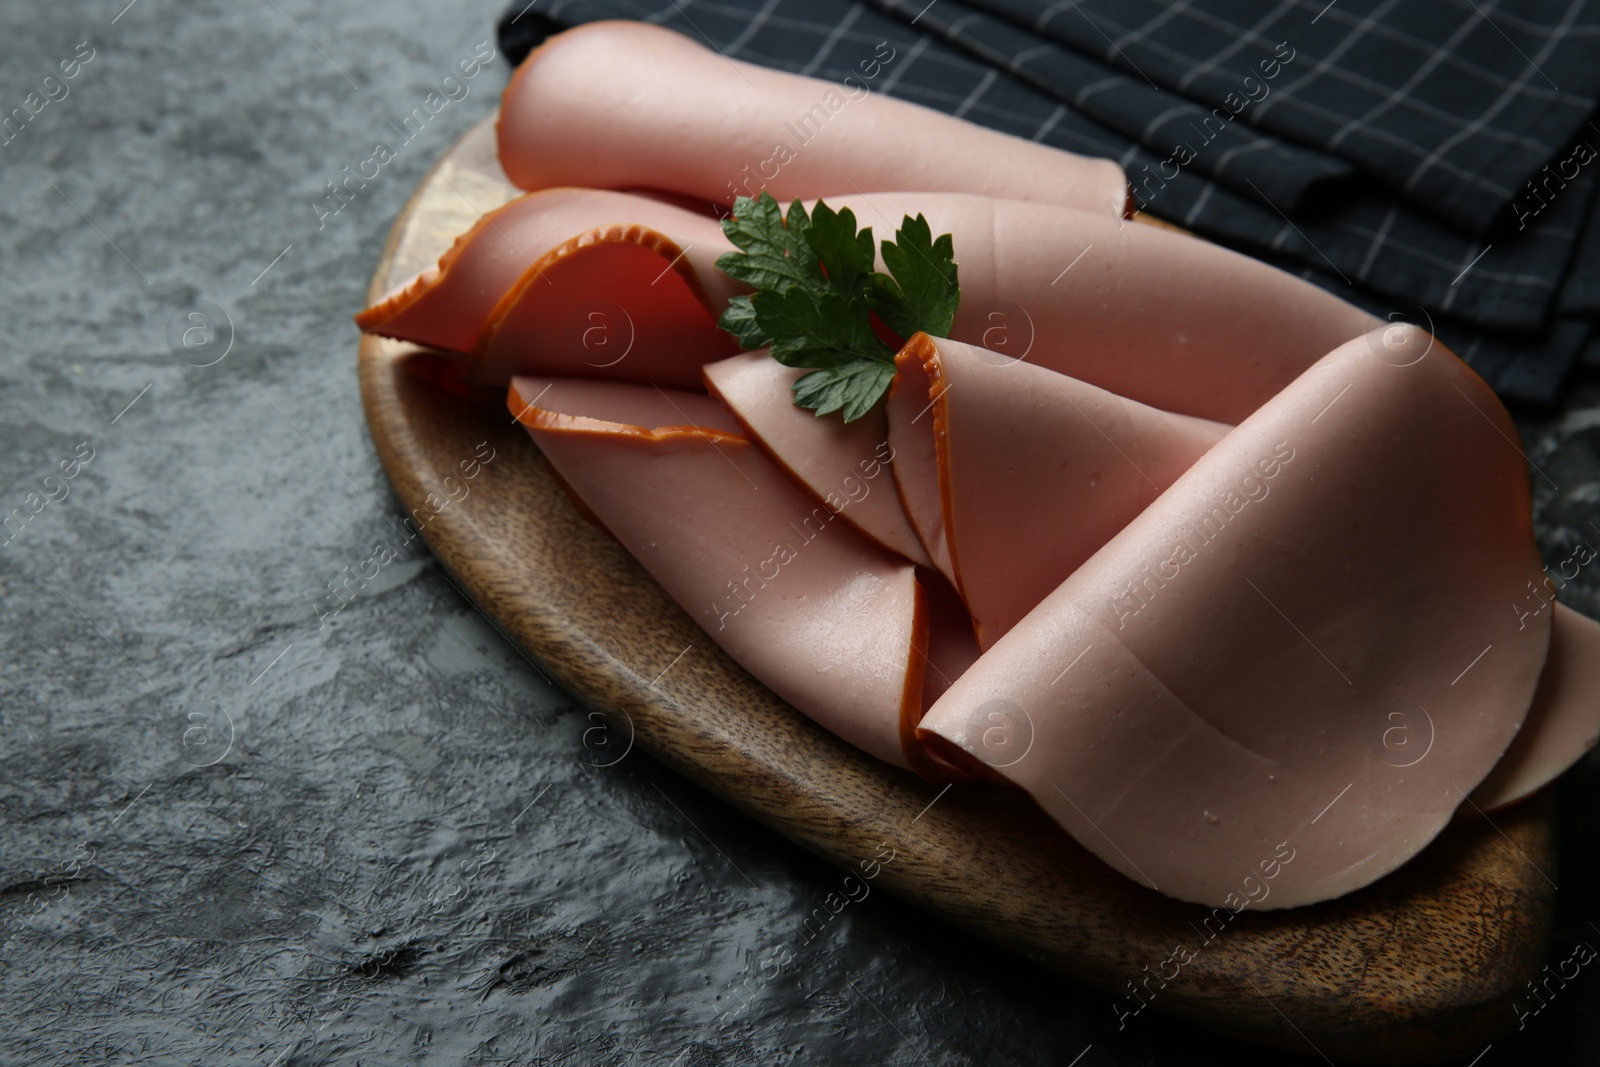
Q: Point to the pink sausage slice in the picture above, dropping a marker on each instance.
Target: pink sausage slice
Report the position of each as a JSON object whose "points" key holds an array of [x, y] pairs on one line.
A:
{"points": [[829, 621], [620, 105], [1563, 723], [844, 465], [1149, 314], [1205, 701], [1033, 471], [572, 281]]}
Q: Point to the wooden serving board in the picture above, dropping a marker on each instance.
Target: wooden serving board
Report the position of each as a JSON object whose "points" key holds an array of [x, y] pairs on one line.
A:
{"points": [[1422, 966]]}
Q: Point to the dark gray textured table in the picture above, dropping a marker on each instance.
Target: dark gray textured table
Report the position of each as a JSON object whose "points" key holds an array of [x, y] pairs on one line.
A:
{"points": [[233, 832]]}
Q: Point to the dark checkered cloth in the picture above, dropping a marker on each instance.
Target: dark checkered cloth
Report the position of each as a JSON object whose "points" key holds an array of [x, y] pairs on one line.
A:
{"points": [[1234, 153], [1453, 104], [1499, 300], [1353, 227]]}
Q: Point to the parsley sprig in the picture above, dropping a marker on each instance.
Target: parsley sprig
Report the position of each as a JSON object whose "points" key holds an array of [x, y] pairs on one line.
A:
{"points": [[817, 291]]}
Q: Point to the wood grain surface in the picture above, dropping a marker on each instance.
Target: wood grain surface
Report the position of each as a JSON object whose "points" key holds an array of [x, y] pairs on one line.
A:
{"points": [[1422, 966]]}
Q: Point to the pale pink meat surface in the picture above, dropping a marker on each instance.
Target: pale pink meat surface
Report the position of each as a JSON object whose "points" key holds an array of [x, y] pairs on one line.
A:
{"points": [[622, 105], [1564, 721], [914, 438], [1036, 470], [845, 465], [1151, 315], [952, 647], [1211, 690], [829, 621]]}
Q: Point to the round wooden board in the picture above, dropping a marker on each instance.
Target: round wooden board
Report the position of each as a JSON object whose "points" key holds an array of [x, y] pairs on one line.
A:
{"points": [[1422, 966]]}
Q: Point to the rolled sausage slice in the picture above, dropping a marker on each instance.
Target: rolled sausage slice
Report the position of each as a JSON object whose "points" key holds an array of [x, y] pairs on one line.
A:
{"points": [[623, 105], [573, 282], [844, 465], [832, 623], [1023, 473], [1205, 703]]}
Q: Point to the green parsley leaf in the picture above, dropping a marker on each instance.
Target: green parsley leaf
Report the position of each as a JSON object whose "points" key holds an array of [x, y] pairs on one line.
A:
{"points": [[772, 255], [740, 320], [816, 291], [853, 386], [817, 330], [846, 255], [924, 292]]}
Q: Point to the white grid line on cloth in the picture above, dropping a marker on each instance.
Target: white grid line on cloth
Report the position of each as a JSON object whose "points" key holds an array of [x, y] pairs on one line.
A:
{"points": [[1137, 34], [1049, 13], [1530, 26], [1452, 291], [1484, 74], [775, 21], [1360, 81], [1330, 60], [1083, 141], [1188, 60], [986, 50], [1199, 203], [1278, 238], [1412, 252], [1021, 58], [1401, 91], [1499, 106], [1376, 88], [832, 39], [1149, 132], [1248, 140], [1377, 241], [912, 55], [1290, 223], [1113, 45], [1513, 44], [1466, 66], [1251, 140], [1449, 165], [1395, 140], [1092, 88], [1422, 46], [1244, 39], [971, 100], [758, 20], [1048, 124], [955, 27], [1520, 279], [1259, 144]]}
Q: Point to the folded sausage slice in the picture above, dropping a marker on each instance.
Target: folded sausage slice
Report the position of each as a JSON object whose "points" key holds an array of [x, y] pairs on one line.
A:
{"points": [[1025, 472], [844, 465], [576, 282], [619, 105], [1562, 724], [1210, 692], [832, 623]]}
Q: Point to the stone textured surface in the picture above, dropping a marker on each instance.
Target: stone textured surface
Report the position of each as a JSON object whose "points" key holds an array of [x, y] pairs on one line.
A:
{"points": [[254, 837]]}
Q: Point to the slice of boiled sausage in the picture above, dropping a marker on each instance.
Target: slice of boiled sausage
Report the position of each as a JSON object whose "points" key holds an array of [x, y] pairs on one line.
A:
{"points": [[1213, 691]]}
